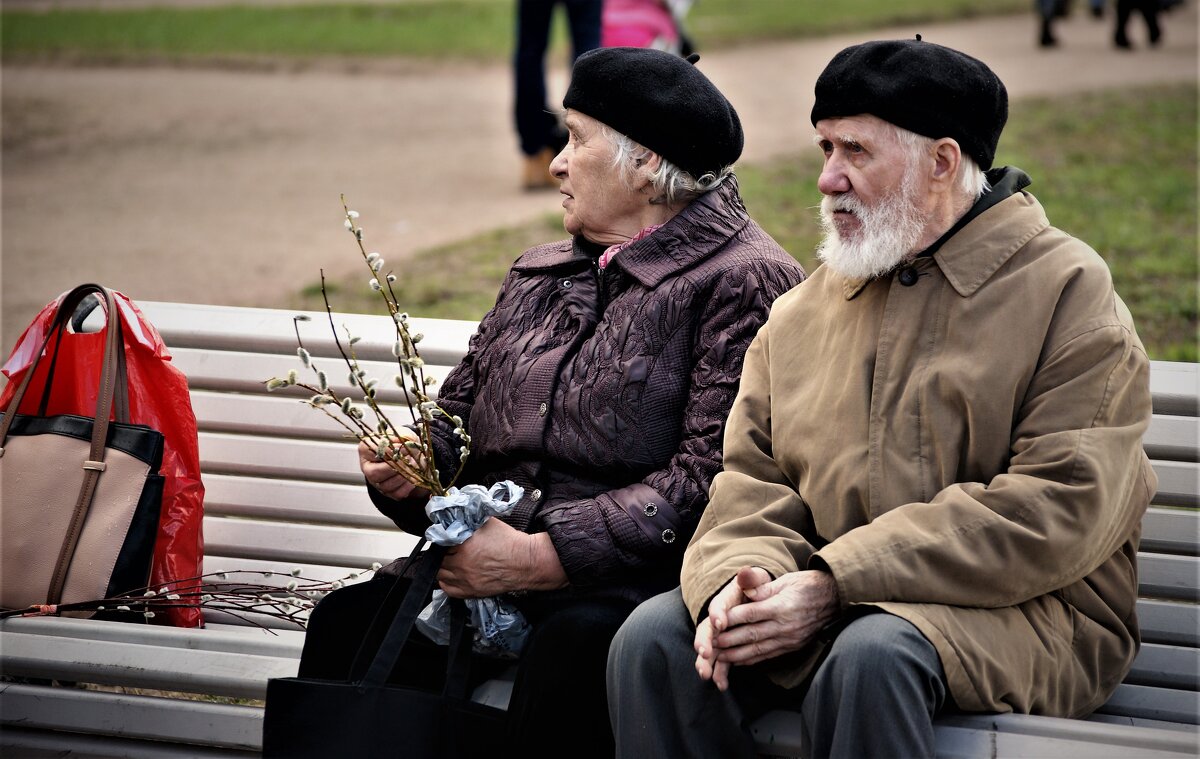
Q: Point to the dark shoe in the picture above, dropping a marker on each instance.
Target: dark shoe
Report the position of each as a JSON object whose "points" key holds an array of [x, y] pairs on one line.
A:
{"points": [[1122, 42], [1047, 39]]}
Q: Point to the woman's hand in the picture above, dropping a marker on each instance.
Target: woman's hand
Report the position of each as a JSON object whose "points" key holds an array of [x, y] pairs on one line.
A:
{"points": [[499, 559], [381, 476]]}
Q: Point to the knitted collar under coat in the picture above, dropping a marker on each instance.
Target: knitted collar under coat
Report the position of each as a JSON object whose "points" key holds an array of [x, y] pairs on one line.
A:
{"points": [[604, 393]]}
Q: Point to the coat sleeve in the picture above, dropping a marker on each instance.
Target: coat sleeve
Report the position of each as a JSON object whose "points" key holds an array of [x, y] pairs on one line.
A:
{"points": [[646, 525], [755, 516], [1073, 492]]}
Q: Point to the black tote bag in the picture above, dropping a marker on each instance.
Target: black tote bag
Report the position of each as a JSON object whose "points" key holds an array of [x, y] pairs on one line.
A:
{"points": [[366, 718]]}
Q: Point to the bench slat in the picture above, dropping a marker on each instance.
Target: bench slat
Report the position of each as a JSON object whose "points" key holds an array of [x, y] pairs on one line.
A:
{"points": [[1166, 667], [252, 641], [1176, 624], [1178, 483], [293, 501], [261, 330], [1172, 577], [278, 415], [1174, 531], [45, 745], [1175, 387], [233, 371], [310, 460], [1174, 438], [220, 673], [284, 543], [1154, 703], [132, 716]]}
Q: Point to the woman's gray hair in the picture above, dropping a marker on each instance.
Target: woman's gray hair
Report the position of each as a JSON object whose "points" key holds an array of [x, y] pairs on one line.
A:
{"points": [[672, 185], [971, 179]]}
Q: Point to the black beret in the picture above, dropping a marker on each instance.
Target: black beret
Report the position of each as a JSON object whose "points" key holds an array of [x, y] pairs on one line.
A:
{"points": [[925, 88], [661, 101]]}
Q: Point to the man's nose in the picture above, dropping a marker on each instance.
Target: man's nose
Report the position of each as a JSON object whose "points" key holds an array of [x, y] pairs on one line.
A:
{"points": [[833, 180]]}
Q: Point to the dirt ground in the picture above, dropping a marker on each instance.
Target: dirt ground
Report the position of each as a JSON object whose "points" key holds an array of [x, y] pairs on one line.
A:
{"points": [[221, 185]]}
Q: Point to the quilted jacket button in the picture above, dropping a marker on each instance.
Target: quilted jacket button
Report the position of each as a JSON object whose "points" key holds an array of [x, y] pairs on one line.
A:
{"points": [[536, 495], [542, 409], [567, 284], [668, 536], [650, 510]]}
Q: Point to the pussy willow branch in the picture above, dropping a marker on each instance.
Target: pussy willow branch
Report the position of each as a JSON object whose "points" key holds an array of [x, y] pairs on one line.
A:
{"points": [[241, 600]]}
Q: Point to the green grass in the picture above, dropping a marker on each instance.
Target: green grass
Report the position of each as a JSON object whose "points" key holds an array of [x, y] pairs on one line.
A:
{"points": [[471, 29], [1117, 169]]}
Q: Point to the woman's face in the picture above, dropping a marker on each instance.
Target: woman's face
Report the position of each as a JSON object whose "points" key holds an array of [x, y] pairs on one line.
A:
{"points": [[599, 205]]}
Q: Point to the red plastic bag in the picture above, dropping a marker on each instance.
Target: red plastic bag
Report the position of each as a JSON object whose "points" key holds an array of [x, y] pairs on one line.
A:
{"points": [[158, 398]]}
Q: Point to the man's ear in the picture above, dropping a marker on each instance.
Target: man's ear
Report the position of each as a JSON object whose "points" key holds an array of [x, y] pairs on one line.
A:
{"points": [[947, 156]]}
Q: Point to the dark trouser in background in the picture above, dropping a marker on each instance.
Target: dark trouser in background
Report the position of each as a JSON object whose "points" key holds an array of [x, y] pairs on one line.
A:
{"points": [[1149, 11], [558, 702], [875, 695], [535, 124]]}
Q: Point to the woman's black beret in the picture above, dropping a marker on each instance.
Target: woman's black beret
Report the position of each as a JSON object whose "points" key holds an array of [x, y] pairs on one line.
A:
{"points": [[661, 101]]}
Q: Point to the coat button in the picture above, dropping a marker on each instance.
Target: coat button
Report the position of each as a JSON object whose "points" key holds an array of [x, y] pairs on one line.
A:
{"points": [[542, 409], [668, 536], [536, 495], [566, 284], [650, 510], [908, 276]]}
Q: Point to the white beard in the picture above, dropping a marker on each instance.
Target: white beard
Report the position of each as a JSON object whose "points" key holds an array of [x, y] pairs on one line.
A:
{"points": [[888, 234]]}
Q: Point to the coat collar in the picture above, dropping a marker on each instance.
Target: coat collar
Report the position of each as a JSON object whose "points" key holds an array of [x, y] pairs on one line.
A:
{"points": [[706, 224], [995, 228]]}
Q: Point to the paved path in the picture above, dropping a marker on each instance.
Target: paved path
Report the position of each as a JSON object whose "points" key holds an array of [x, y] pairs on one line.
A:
{"points": [[221, 186]]}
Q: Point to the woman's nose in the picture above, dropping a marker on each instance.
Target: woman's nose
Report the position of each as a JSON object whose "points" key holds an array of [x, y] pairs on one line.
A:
{"points": [[558, 166]]}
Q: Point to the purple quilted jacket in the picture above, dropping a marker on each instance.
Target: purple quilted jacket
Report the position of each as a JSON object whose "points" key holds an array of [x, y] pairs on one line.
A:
{"points": [[604, 393]]}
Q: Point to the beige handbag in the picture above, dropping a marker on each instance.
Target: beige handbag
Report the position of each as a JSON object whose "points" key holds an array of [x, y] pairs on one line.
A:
{"points": [[79, 497]]}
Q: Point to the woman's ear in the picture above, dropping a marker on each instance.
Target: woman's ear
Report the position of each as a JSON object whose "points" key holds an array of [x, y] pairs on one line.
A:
{"points": [[947, 156], [643, 168]]}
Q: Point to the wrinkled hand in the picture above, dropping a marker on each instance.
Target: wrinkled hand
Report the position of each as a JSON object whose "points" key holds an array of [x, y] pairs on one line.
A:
{"points": [[779, 616], [383, 478], [709, 665], [500, 559]]}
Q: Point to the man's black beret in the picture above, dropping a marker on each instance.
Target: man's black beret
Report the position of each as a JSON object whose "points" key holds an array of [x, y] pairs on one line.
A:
{"points": [[925, 88], [661, 101]]}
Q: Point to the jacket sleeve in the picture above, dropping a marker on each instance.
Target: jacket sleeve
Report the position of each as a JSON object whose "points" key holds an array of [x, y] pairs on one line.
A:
{"points": [[1073, 492], [755, 516], [645, 525]]}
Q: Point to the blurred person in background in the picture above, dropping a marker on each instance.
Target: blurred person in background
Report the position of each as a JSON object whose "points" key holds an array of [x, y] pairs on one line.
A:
{"points": [[1149, 10], [540, 133], [599, 382]]}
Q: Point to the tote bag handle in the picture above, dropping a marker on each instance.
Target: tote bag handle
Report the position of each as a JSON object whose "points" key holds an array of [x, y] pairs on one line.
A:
{"points": [[401, 626]]}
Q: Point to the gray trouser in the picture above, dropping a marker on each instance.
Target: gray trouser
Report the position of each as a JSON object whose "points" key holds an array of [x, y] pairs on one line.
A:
{"points": [[875, 695]]}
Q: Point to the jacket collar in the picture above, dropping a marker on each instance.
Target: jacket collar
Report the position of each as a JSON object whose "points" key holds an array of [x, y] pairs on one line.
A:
{"points": [[983, 239], [706, 224]]}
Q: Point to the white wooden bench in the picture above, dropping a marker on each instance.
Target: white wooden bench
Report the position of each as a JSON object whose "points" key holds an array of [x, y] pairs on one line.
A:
{"points": [[284, 491]]}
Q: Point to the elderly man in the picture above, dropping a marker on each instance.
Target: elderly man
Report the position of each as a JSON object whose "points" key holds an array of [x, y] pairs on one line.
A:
{"points": [[933, 474]]}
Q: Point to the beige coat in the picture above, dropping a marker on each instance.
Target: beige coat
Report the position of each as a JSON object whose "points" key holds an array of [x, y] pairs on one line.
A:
{"points": [[964, 452]]}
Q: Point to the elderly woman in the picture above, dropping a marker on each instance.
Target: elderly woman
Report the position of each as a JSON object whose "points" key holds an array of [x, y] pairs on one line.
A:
{"points": [[600, 383]]}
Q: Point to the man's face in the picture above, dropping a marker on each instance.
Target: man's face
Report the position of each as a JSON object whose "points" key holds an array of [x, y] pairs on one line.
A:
{"points": [[873, 213]]}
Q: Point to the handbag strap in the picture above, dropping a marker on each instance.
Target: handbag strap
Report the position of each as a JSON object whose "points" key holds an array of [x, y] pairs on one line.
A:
{"points": [[406, 616], [79, 315], [94, 464], [459, 655], [458, 663]]}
